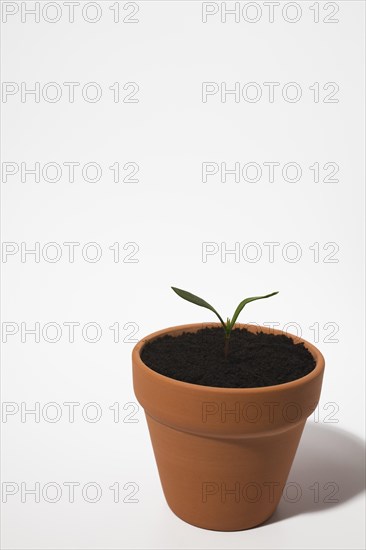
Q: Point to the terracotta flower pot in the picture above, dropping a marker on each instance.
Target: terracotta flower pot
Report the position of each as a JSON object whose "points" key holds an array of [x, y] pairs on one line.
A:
{"points": [[224, 454]]}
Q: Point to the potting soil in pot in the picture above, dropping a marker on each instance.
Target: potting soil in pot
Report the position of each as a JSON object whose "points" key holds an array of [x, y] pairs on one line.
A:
{"points": [[254, 359]]}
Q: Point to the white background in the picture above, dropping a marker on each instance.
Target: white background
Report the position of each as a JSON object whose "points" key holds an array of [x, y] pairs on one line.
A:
{"points": [[169, 213]]}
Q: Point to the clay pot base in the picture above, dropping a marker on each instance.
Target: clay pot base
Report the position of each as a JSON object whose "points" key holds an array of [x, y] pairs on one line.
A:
{"points": [[229, 484]]}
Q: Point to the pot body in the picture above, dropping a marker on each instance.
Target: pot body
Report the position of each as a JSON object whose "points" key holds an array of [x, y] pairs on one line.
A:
{"points": [[224, 454]]}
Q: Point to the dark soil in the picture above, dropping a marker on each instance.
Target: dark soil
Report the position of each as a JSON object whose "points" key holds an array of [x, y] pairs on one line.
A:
{"points": [[254, 359]]}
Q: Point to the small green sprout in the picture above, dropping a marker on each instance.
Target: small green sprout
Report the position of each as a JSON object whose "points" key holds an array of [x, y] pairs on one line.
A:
{"points": [[228, 326]]}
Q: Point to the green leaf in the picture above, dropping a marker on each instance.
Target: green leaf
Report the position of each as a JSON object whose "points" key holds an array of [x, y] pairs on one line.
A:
{"points": [[244, 303], [196, 300]]}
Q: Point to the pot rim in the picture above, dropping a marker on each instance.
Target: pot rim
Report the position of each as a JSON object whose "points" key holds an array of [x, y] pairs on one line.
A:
{"points": [[317, 355]]}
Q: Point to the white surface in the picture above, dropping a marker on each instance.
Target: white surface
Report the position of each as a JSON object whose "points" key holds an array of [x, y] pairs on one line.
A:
{"points": [[169, 213]]}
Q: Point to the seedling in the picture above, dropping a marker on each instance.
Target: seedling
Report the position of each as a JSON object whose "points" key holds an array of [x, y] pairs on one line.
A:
{"points": [[228, 326]]}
